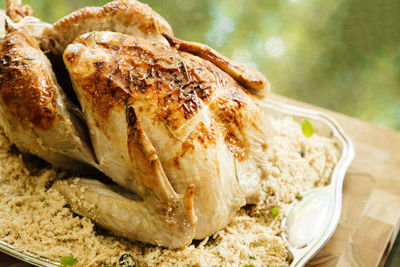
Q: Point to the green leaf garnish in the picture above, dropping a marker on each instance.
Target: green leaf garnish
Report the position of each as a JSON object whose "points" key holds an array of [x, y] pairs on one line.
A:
{"points": [[186, 70], [274, 212], [307, 128], [68, 261], [171, 132], [248, 265], [252, 257]]}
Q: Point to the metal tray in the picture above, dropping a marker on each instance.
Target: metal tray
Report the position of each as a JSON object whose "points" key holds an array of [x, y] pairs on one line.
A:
{"points": [[311, 221]]}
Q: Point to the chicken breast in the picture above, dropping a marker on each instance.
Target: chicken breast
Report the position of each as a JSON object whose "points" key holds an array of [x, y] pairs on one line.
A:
{"points": [[148, 106]]}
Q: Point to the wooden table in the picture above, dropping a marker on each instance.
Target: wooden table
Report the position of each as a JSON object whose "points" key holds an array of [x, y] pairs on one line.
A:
{"points": [[370, 218]]}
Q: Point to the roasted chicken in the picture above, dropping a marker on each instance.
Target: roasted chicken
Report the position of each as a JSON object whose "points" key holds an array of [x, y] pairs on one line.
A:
{"points": [[172, 123], [34, 111]]}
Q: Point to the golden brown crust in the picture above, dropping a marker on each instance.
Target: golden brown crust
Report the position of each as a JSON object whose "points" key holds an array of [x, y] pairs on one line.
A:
{"points": [[250, 78], [139, 69], [178, 85], [125, 16], [25, 89]]}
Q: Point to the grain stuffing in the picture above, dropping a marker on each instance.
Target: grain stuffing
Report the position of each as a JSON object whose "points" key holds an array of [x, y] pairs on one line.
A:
{"points": [[35, 218]]}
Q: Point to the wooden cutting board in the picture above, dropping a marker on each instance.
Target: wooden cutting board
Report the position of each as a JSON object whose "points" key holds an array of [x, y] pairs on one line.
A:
{"points": [[370, 218]]}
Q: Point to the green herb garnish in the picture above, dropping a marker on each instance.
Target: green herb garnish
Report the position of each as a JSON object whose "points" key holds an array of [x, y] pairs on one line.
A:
{"points": [[302, 153], [154, 194], [186, 70], [145, 77], [252, 257], [307, 128], [236, 170], [274, 212], [299, 196], [171, 132], [248, 265], [68, 261]]}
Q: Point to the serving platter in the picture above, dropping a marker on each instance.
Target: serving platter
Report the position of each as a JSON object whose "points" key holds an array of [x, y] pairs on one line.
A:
{"points": [[310, 221]]}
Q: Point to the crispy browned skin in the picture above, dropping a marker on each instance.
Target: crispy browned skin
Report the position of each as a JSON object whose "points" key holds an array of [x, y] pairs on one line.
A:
{"points": [[250, 78], [26, 89], [177, 84], [126, 16]]}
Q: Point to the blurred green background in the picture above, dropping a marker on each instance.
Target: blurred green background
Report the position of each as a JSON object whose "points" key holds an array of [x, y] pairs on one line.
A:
{"points": [[343, 55]]}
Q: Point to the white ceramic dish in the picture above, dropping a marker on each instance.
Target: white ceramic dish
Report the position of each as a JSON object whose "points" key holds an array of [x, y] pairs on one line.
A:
{"points": [[311, 221]]}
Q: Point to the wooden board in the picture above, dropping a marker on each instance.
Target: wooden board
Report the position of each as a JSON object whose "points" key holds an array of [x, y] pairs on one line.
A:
{"points": [[370, 218]]}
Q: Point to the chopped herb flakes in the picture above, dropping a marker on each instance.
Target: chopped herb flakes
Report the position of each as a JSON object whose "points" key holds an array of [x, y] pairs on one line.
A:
{"points": [[171, 132], [236, 170], [144, 77], [154, 194], [252, 257], [307, 128], [274, 212], [186, 70], [68, 261], [302, 153], [299, 196]]}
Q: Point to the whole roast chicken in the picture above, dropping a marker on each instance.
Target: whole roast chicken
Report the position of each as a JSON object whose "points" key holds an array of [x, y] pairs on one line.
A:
{"points": [[173, 123]]}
